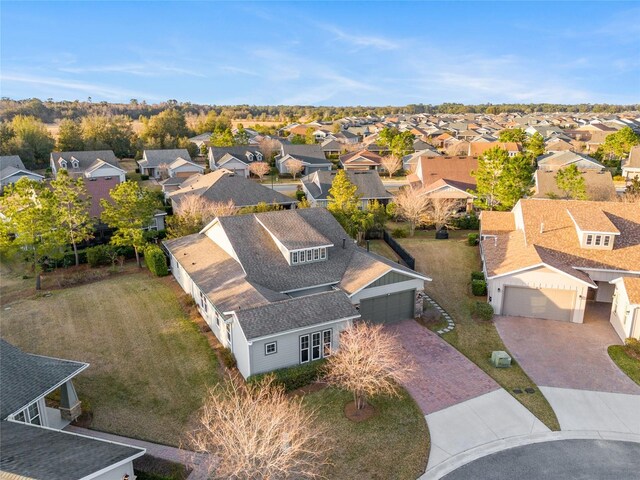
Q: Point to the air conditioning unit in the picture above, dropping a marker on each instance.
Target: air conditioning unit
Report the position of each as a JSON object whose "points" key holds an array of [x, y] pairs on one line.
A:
{"points": [[500, 359]]}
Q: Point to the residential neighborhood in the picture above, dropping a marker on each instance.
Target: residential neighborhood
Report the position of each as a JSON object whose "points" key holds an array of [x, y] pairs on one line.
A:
{"points": [[309, 264]]}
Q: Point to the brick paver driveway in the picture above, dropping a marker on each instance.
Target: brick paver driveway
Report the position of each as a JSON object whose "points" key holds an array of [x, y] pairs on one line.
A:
{"points": [[567, 355], [443, 376]]}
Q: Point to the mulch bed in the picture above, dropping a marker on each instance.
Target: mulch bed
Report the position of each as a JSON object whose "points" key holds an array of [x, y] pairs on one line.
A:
{"points": [[361, 415]]}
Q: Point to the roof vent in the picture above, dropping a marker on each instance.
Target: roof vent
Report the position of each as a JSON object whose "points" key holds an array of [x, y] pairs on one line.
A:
{"points": [[344, 243], [541, 227]]}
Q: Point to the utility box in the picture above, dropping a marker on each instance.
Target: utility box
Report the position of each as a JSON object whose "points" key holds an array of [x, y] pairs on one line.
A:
{"points": [[500, 359]]}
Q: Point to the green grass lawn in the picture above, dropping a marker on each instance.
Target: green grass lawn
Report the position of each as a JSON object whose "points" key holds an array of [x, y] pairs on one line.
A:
{"points": [[449, 263], [626, 363], [392, 444], [150, 366]]}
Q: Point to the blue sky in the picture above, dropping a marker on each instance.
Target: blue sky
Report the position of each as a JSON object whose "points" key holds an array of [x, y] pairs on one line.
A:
{"points": [[329, 53]]}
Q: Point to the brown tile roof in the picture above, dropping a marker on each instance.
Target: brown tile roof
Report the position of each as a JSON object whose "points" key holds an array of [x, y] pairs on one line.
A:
{"points": [[497, 222], [362, 270], [590, 219], [634, 158], [599, 185], [457, 169], [478, 148], [632, 286], [97, 189], [354, 156]]}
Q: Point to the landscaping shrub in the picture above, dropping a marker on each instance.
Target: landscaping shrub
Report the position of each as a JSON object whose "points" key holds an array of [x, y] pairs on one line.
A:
{"points": [[144, 177], [153, 236], [477, 276], [483, 311], [478, 287], [300, 195], [148, 467], [467, 222], [228, 358], [156, 261], [619, 178], [134, 177], [99, 255], [473, 239], [633, 345], [296, 377], [399, 233]]}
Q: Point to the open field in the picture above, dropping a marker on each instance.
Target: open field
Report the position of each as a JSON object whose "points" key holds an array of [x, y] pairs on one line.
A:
{"points": [[449, 263], [150, 366]]}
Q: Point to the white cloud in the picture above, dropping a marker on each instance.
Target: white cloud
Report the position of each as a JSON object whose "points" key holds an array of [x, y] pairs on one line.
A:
{"points": [[362, 41], [137, 69]]}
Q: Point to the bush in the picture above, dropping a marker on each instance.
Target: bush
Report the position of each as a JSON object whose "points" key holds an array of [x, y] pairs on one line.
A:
{"points": [[478, 287], [228, 358], [399, 233], [99, 255], [633, 345], [153, 236], [149, 467], [483, 311], [300, 195], [467, 222], [144, 177], [156, 261], [473, 239], [134, 177], [293, 378], [477, 276]]}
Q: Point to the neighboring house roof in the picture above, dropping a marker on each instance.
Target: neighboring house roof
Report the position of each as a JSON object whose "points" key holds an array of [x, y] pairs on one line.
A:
{"points": [[223, 185], [239, 152], [369, 184], [633, 160], [11, 161], [155, 158], [598, 185], [85, 158], [99, 188], [309, 154], [181, 162], [632, 287], [296, 312], [566, 158], [456, 169], [547, 233], [39, 453], [442, 188], [479, 148], [26, 377], [362, 157], [497, 222], [98, 164], [330, 145]]}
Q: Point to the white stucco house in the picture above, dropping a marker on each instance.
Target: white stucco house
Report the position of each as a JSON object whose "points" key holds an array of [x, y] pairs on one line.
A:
{"points": [[552, 258], [277, 288], [625, 310]]}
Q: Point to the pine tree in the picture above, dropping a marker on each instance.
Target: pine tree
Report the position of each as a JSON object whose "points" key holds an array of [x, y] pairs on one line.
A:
{"points": [[343, 203], [571, 182], [488, 177], [69, 136]]}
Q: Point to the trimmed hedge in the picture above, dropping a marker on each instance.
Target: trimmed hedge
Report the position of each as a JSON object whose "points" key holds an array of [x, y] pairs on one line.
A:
{"points": [[156, 261], [478, 287], [473, 239], [484, 311], [293, 378], [477, 276]]}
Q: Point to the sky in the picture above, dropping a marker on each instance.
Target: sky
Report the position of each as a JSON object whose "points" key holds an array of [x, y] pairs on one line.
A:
{"points": [[322, 53]]}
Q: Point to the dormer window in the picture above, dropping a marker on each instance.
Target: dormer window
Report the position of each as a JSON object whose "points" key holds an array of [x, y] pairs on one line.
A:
{"points": [[63, 163], [259, 156], [250, 156], [308, 255], [75, 163], [594, 229]]}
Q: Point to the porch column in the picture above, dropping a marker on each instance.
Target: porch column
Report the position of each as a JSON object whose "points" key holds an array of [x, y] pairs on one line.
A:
{"points": [[70, 407]]}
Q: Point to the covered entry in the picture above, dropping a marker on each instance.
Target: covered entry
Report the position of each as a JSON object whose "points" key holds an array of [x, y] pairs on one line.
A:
{"points": [[388, 308], [549, 303]]}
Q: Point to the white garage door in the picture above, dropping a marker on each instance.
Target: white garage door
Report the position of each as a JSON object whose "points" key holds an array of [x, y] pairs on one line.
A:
{"points": [[550, 303]]}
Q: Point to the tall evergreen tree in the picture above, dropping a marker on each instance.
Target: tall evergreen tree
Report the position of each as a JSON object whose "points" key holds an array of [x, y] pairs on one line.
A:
{"points": [[572, 183], [343, 203], [69, 136]]}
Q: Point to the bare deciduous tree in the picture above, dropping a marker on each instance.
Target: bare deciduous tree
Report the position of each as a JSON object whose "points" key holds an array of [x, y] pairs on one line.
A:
{"points": [[194, 212], [440, 211], [369, 362], [391, 164], [163, 170], [294, 167], [268, 147], [259, 169], [256, 431], [411, 205]]}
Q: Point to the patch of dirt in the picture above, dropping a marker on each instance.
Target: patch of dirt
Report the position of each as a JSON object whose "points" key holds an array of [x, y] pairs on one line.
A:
{"points": [[632, 353], [361, 415], [311, 388]]}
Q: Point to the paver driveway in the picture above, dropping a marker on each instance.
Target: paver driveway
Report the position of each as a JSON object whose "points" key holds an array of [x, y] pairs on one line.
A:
{"points": [[566, 355], [443, 376]]}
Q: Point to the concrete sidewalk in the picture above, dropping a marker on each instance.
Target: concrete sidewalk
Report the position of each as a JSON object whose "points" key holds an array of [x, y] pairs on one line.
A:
{"points": [[597, 411], [197, 461], [482, 420]]}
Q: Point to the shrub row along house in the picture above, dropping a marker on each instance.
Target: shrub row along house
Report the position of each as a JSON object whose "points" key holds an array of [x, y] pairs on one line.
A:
{"points": [[276, 288], [550, 258]]}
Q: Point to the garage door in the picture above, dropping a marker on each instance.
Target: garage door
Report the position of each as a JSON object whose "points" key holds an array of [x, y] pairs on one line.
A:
{"points": [[550, 303], [388, 308]]}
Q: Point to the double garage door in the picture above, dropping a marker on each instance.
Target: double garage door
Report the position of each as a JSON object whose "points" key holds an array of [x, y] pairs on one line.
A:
{"points": [[388, 308], [549, 303]]}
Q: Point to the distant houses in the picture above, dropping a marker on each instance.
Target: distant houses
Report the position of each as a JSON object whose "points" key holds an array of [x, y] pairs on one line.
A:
{"points": [[12, 169]]}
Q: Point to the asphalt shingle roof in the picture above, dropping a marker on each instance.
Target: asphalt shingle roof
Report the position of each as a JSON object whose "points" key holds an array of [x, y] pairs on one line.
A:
{"points": [[41, 454], [85, 159], [369, 184], [25, 377], [155, 158]]}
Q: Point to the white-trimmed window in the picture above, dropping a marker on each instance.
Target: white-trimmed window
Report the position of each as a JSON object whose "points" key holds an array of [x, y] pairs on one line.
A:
{"points": [[229, 335], [605, 241], [63, 164], [304, 348], [203, 302], [323, 253], [309, 255], [326, 343], [270, 348], [589, 239], [294, 258], [31, 415], [316, 347], [598, 240], [75, 163], [217, 320], [316, 254]]}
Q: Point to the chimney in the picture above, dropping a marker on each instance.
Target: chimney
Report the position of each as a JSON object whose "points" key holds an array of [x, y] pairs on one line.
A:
{"points": [[344, 243]]}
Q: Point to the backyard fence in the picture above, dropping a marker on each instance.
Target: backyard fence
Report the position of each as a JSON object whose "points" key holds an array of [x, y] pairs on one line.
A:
{"points": [[402, 253]]}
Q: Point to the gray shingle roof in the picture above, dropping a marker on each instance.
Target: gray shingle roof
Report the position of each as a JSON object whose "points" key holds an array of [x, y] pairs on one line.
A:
{"points": [[369, 184], [238, 151], [11, 161], [25, 377], [43, 454], [311, 154], [292, 231], [295, 313], [155, 158], [222, 186], [85, 159]]}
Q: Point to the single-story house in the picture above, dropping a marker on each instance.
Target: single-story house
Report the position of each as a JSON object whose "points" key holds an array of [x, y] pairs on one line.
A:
{"points": [[331, 148], [631, 165], [479, 148], [222, 185], [277, 288], [201, 140], [361, 160], [89, 164], [625, 310], [32, 444], [317, 185], [446, 177], [558, 160], [598, 185], [311, 156], [155, 161], [236, 159], [551, 258], [183, 168], [12, 169]]}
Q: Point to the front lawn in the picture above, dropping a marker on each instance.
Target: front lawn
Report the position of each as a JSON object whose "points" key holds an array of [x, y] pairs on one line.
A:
{"points": [[449, 263], [150, 366], [625, 362], [392, 444]]}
